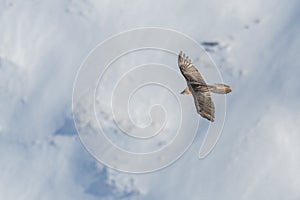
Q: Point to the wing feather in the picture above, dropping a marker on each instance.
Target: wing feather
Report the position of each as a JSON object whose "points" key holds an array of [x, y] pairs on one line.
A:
{"points": [[188, 70], [199, 89]]}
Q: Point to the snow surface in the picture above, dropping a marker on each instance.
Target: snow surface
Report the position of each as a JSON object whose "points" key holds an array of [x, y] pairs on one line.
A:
{"points": [[42, 44]]}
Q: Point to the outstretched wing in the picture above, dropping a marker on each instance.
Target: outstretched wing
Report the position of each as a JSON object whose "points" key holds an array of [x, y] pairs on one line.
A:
{"points": [[203, 102], [188, 70]]}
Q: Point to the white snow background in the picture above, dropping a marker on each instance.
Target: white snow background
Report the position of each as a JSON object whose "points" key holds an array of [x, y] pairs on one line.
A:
{"points": [[42, 44]]}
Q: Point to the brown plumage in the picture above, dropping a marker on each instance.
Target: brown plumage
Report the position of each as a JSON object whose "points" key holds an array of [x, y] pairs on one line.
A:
{"points": [[199, 89]]}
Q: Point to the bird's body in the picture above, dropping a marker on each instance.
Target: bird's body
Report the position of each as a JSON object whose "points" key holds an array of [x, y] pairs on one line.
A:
{"points": [[199, 89]]}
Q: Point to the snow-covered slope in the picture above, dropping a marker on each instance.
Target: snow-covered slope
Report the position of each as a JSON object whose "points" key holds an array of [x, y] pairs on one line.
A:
{"points": [[42, 44]]}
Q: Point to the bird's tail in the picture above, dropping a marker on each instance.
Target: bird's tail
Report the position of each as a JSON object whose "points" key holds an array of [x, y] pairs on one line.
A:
{"points": [[219, 88]]}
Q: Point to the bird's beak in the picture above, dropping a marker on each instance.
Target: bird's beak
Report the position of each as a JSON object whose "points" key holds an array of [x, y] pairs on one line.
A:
{"points": [[186, 91]]}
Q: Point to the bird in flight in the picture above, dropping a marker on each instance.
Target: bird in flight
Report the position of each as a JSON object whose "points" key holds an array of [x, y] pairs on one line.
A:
{"points": [[199, 89]]}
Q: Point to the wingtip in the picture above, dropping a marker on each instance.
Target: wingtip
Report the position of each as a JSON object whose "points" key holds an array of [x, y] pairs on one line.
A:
{"points": [[181, 54], [210, 118], [184, 57], [207, 116]]}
